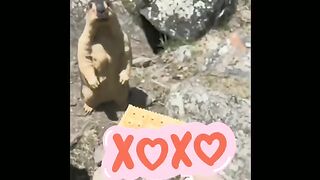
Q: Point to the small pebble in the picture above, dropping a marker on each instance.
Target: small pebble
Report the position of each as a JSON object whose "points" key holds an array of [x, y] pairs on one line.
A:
{"points": [[203, 68], [248, 44], [178, 77], [223, 50]]}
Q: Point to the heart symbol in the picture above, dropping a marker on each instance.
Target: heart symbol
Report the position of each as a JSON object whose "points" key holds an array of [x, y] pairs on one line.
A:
{"points": [[209, 139], [142, 156]]}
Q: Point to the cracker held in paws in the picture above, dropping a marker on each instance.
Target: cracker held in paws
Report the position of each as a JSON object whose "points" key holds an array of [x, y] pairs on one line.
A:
{"points": [[104, 58]]}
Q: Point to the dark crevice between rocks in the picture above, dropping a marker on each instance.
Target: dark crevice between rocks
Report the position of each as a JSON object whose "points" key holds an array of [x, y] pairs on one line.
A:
{"points": [[156, 38], [153, 35], [78, 174], [217, 21], [229, 7]]}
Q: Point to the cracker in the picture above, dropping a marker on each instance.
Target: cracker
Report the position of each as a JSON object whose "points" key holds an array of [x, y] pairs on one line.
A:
{"points": [[135, 117]]}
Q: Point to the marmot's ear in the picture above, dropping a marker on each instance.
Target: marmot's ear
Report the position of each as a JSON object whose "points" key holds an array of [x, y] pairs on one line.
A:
{"points": [[89, 5]]}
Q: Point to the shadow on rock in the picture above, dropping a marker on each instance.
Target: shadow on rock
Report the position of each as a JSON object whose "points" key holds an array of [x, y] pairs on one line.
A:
{"points": [[78, 174], [137, 97], [153, 36], [110, 109]]}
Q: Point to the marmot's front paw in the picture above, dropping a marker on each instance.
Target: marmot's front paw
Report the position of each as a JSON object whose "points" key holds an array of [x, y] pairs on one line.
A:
{"points": [[93, 82], [87, 109], [123, 77]]}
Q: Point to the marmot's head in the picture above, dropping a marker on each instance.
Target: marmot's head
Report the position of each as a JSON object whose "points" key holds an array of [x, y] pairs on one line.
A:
{"points": [[98, 11]]}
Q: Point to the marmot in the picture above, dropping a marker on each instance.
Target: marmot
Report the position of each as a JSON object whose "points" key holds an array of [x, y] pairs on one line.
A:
{"points": [[104, 58]]}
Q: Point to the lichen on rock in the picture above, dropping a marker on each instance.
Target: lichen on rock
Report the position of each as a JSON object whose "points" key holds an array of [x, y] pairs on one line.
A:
{"points": [[187, 19]]}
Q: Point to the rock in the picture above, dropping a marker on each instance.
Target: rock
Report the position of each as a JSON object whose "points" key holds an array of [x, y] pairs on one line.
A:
{"points": [[223, 50], [99, 175], [182, 54], [212, 42], [245, 15], [178, 77], [150, 100], [98, 154], [200, 177], [140, 98], [81, 156], [75, 62], [78, 174], [186, 19], [236, 42], [203, 68], [141, 62], [133, 6], [248, 44], [192, 101]]}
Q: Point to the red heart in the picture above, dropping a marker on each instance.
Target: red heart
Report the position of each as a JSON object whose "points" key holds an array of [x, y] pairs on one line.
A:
{"points": [[209, 139], [140, 152]]}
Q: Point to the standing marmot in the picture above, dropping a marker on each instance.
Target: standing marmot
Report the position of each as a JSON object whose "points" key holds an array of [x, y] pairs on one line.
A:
{"points": [[104, 58]]}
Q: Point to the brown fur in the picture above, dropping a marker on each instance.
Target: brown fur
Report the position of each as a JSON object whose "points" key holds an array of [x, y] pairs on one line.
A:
{"points": [[105, 59]]}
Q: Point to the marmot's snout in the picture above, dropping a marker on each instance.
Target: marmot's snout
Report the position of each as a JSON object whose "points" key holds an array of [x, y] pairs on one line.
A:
{"points": [[100, 9]]}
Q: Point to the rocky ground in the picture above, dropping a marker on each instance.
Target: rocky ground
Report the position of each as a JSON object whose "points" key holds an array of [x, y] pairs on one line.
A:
{"points": [[207, 81]]}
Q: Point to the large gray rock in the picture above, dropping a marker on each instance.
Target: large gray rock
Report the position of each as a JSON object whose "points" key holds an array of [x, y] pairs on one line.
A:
{"points": [[184, 19], [191, 101]]}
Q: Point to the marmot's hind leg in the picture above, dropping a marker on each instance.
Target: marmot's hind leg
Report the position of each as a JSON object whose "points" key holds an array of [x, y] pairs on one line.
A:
{"points": [[90, 101]]}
